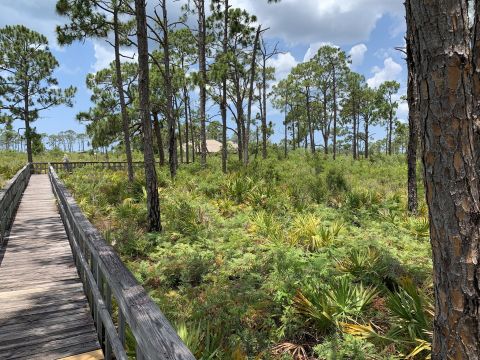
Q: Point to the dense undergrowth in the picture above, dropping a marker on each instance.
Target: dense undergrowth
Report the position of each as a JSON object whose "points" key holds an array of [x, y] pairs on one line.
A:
{"points": [[303, 258]]}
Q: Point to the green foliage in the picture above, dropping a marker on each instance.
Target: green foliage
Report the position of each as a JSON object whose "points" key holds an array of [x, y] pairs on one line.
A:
{"points": [[27, 84], [277, 270], [340, 301]]}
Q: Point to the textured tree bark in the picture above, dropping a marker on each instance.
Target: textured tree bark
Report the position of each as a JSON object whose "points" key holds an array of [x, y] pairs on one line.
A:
{"points": [[441, 50], [202, 64], [390, 131], [366, 137], [354, 139], [187, 145], [246, 138], [172, 140], [223, 105], [264, 112], [158, 135], [121, 97], [309, 121], [334, 113], [153, 202], [413, 120], [26, 118]]}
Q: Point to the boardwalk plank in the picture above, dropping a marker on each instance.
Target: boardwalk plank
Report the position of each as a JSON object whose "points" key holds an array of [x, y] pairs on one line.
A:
{"points": [[43, 313]]}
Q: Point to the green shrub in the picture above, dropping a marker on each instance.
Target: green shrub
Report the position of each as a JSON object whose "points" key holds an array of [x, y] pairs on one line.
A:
{"points": [[336, 181]]}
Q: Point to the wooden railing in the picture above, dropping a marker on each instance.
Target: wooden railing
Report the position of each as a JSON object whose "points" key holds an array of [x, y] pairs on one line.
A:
{"points": [[10, 197], [107, 280], [42, 167]]}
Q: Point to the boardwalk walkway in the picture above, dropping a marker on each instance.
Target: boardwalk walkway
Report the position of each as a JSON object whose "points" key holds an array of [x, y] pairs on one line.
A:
{"points": [[44, 313]]}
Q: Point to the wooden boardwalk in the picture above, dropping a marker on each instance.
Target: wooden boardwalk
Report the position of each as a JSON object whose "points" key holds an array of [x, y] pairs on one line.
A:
{"points": [[44, 313]]}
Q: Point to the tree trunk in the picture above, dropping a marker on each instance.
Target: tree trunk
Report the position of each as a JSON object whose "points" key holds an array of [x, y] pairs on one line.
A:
{"points": [[286, 129], [264, 113], [246, 139], [121, 97], [293, 136], [172, 140], [187, 145], [192, 130], [28, 132], [158, 135], [310, 127], [334, 114], [223, 105], [354, 140], [442, 59], [202, 63], [153, 202], [390, 131], [413, 120], [326, 131], [366, 137]]}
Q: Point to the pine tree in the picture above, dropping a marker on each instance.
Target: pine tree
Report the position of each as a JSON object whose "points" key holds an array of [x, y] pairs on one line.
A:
{"points": [[27, 84]]}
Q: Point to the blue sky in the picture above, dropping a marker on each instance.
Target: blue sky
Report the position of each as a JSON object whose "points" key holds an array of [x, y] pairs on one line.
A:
{"points": [[367, 29]]}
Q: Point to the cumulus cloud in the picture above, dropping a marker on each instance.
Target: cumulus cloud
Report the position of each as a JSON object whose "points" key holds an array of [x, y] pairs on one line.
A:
{"points": [[43, 12], [357, 54], [390, 71], [402, 111], [340, 22], [283, 64], [313, 49], [104, 55]]}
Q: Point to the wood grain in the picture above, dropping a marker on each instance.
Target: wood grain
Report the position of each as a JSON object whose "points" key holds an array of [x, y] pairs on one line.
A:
{"points": [[44, 313]]}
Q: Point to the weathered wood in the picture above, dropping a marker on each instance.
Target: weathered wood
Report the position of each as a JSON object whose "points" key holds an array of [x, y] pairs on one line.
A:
{"points": [[42, 167], [155, 337], [9, 199], [43, 311]]}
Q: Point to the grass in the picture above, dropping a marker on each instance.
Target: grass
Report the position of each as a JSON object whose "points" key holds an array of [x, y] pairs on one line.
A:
{"points": [[286, 259]]}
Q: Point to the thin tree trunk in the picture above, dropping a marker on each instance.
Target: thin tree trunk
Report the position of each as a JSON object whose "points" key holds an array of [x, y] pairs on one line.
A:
{"points": [[172, 140], [202, 62], [390, 131], [246, 139], [264, 113], [223, 105], [121, 97], [326, 134], [192, 130], [158, 135], [366, 137], [28, 131], [354, 140], [334, 114], [442, 52], [153, 202], [187, 145], [413, 120], [309, 120]]}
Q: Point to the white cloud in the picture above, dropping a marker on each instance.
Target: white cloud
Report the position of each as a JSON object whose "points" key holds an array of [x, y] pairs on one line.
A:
{"points": [[402, 111], [104, 55], [357, 54], [36, 15], [390, 71], [313, 49], [309, 21], [283, 64]]}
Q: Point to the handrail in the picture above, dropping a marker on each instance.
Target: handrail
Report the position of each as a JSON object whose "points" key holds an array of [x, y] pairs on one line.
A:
{"points": [[42, 167], [10, 197], [105, 276]]}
